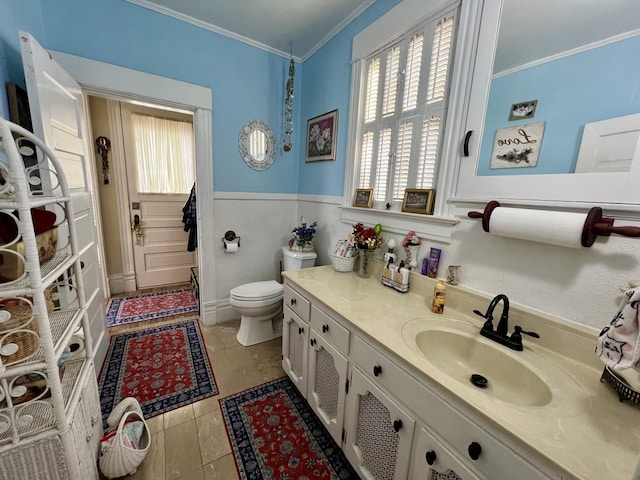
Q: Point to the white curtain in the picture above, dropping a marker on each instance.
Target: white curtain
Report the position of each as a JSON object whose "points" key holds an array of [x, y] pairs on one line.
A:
{"points": [[164, 154]]}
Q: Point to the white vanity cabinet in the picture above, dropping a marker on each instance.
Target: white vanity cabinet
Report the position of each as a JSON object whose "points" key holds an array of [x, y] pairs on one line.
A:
{"points": [[295, 348]]}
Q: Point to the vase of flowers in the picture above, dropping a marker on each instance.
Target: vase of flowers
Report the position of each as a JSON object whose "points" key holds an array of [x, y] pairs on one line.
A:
{"points": [[411, 244], [302, 237], [367, 241]]}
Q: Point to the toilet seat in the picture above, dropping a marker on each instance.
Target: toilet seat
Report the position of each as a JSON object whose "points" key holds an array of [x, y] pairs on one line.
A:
{"points": [[257, 291]]}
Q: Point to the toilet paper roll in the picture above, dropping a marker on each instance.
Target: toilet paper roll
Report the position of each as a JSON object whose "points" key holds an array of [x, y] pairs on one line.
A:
{"points": [[555, 228], [232, 247]]}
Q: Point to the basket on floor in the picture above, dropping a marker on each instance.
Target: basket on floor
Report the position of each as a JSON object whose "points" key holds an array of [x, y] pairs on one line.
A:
{"points": [[342, 264], [25, 340], [120, 453]]}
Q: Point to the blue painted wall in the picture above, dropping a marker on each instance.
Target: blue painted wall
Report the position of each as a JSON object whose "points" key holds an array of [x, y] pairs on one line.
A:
{"points": [[15, 15], [570, 93], [326, 82]]}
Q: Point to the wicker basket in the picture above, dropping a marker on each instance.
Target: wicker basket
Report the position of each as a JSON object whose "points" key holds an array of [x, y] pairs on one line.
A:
{"points": [[27, 338], [342, 264]]}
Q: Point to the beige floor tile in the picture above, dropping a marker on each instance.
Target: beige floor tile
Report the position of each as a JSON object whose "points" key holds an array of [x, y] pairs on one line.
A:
{"points": [[237, 380], [182, 450], [195, 475], [240, 357], [222, 469], [220, 362], [212, 434], [178, 416], [208, 405], [155, 424], [212, 339], [153, 466]]}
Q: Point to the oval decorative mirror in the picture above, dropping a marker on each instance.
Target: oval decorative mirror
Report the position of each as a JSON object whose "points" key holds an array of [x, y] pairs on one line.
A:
{"points": [[257, 145]]}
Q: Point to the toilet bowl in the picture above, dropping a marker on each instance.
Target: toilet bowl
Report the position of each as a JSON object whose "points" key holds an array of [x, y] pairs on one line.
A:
{"points": [[260, 303]]}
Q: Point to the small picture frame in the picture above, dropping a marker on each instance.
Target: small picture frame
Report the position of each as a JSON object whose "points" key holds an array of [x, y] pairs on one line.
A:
{"points": [[321, 137], [363, 198], [418, 200], [523, 110]]}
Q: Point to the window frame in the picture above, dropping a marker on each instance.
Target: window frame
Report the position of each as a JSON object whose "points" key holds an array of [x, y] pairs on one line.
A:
{"points": [[403, 19]]}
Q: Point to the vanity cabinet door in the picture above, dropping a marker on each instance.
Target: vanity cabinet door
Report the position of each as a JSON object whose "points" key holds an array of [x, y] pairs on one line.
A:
{"points": [[378, 432], [295, 348], [326, 383], [432, 461]]}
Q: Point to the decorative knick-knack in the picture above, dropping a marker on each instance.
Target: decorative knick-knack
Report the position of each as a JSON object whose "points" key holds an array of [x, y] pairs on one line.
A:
{"points": [[452, 278]]}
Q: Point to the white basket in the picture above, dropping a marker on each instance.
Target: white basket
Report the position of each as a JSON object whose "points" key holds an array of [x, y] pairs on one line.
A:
{"points": [[117, 457], [342, 264]]}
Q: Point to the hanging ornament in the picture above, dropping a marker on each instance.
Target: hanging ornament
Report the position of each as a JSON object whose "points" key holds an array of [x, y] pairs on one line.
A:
{"points": [[288, 106], [103, 146]]}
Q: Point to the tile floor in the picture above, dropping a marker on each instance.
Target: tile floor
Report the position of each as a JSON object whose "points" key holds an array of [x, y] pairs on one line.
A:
{"points": [[191, 443]]}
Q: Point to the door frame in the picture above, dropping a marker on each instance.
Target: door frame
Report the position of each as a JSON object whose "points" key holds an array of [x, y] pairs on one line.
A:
{"points": [[119, 83]]}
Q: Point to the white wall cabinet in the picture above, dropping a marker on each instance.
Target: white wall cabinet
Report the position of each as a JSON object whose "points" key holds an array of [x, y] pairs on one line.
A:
{"points": [[50, 419], [396, 426]]}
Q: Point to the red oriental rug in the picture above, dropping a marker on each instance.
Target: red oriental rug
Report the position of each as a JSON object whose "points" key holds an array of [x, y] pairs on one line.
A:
{"points": [[275, 435], [164, 368], [149, 306]]}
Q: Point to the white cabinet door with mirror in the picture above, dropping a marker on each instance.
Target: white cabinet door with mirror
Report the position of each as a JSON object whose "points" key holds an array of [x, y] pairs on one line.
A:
{"points": [[559, 69]]}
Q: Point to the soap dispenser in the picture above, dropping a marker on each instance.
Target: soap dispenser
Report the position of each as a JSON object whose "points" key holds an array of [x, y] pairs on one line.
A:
{"points": [[439, 293]]}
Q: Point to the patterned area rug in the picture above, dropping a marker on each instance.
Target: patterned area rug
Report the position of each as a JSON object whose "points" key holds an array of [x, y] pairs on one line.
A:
{"points": [[163, 368], [149, 306], [275, 435]]}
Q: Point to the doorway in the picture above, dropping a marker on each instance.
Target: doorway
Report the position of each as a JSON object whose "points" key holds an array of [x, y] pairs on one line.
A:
{"points": [[145, 182]]}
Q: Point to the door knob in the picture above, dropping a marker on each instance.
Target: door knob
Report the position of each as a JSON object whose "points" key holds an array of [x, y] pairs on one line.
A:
{"points": [[137, 229]]}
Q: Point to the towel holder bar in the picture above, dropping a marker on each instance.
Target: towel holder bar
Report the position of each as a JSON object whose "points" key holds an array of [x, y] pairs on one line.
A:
{"points": [[594, 225]]}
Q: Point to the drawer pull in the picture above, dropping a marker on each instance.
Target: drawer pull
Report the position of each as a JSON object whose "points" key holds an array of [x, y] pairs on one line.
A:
{"points": [[325, 328], [293, 301], [430, 456], [300, 330], [474, 450], [397, 425], [312, 342], [377, 370]]}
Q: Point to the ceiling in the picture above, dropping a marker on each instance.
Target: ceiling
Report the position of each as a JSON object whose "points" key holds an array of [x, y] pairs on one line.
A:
{"points": [[273, 25], [529, 30]]}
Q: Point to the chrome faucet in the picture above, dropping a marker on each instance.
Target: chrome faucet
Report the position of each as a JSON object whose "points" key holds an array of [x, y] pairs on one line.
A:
{"points": [[500, 333]]}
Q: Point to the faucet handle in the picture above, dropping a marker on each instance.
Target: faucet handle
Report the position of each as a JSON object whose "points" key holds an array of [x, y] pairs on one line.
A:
{"points": [[488, 324], [517, 337]]}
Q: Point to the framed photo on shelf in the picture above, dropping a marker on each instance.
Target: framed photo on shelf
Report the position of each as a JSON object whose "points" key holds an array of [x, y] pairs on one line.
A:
{"points": [[321, 137], [363, 198], [418, 200]]}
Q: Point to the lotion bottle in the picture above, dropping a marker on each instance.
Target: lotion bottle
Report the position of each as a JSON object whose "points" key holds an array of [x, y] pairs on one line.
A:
{"points": [[439, 294]]}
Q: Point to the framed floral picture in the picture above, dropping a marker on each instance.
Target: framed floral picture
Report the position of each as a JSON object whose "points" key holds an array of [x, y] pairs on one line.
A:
{"points": [[321, 137], [418, 200]]}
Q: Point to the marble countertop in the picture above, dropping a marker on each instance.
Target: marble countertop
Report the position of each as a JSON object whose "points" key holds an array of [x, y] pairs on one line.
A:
{"points": [[584, 430]]}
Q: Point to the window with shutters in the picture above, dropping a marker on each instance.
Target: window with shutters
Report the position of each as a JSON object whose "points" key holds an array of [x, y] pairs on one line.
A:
{"points": [[402, 110]]}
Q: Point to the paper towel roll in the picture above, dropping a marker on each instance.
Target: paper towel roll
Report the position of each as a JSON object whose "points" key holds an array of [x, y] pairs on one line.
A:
{"points": [[232, 247], [555, 228], [76, 345]]}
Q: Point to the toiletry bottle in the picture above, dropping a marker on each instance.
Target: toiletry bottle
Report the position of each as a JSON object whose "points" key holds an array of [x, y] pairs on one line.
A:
{"points": [[439, 293]]}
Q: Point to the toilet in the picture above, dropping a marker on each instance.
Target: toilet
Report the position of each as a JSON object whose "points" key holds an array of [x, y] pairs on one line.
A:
{"points": [[260, 303]]}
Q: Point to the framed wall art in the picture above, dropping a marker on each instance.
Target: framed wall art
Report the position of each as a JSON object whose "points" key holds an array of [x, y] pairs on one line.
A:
{"points": [[418, 200], [363, 197], [523, 110], [517, 147], [321, 137]]}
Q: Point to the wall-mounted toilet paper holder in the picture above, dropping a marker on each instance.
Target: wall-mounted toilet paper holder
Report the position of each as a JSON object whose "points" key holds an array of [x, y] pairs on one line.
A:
{"points": [[230, 237]]}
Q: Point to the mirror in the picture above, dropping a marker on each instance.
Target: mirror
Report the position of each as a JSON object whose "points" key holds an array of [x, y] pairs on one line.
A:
{"points": [[257, 145], [572, 69]]}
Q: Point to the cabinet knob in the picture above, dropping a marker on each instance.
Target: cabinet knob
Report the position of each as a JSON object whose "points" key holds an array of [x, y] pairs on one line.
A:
{"points": [[430, 456], [293, 301], [312, 342], [325, 328], [474, 450], [377, 370], [300, 330], [397, 425]]}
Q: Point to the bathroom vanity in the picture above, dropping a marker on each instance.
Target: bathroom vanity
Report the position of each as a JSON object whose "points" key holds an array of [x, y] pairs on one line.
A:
{"points": [[390, 381]]}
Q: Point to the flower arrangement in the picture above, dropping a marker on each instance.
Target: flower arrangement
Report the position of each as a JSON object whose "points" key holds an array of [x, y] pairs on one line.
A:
{"points": [[411, 239], [367, 238], [302, 235]]}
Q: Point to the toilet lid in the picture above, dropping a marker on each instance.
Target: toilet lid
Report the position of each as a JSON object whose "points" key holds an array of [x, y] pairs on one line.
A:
{"points": [[258, 290]]}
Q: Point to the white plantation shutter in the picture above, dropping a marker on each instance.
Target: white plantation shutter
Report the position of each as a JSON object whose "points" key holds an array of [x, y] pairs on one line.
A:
{"points": [[403, 110]]}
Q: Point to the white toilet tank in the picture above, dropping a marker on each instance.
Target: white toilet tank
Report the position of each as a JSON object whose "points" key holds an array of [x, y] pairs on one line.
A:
{"points": [[297, 260]]}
